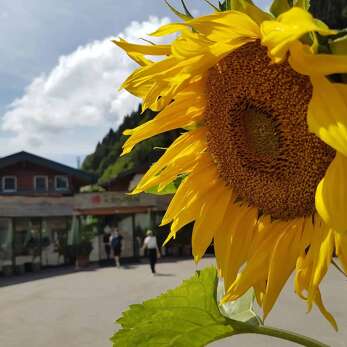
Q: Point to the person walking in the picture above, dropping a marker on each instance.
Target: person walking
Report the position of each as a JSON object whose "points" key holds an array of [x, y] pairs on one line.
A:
{"points": [[116, 244], [106, 240], [150, 243]]}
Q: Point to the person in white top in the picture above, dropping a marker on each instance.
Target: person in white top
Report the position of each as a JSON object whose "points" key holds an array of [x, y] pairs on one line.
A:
{"points": [[150, 243]]}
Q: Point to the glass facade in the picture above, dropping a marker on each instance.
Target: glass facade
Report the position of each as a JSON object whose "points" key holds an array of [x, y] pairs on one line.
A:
{"points": [[27, 244], [6, 246], [54, 240]]}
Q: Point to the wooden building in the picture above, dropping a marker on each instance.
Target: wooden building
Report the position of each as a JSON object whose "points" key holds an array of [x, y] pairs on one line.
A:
{"points": [[133, 215], [36, 209]]}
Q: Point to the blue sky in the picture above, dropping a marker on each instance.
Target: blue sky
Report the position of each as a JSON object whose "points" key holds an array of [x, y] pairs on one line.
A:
{"points": [[59, 72]]}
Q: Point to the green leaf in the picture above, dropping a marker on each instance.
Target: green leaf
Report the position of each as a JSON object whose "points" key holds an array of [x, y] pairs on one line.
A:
{"points": [[339, 46], [222, 5], [213, 6], [169, 189], [238, 5], [189, 316], [186, 9], [183, 16], [305, 4], [185, 316], [241, 310], [279, 6]]}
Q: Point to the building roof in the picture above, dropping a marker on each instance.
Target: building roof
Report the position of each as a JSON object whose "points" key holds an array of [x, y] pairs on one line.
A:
{"points": [[35, 159]]}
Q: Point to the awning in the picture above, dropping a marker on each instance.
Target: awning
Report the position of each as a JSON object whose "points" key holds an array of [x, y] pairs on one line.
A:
{"points": [[112, 210], [25, 206], [110, 203]]}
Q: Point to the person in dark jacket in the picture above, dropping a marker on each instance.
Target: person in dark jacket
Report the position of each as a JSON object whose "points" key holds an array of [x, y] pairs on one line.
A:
{"points": [[116, 245]]}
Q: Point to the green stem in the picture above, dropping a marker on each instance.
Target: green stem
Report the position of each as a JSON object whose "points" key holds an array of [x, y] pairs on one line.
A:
{"points": [[281, 334]]}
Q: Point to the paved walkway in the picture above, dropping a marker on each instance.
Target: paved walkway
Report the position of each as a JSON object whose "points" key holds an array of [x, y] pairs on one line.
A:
{"points": [[77, 309]]}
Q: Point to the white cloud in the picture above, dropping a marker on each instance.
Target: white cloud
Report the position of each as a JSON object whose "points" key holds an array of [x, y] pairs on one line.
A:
{"points": [[69, 109]]}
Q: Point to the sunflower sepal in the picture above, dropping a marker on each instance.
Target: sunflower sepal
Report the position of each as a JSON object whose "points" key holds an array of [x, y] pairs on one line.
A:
{"points": [[242, 309], [305, 4], [212, 6], [279, 6], [184, 16], [339, 45]]}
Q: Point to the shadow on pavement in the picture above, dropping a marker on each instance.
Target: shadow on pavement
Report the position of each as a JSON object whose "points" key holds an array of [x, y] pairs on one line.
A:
{"points": [[44, 273], [128, 264]]}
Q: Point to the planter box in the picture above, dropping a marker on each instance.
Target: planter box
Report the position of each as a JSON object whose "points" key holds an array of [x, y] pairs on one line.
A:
{"points": [[7, 270], [20, 269], [83, 261], [35, 267], [32, 267]]}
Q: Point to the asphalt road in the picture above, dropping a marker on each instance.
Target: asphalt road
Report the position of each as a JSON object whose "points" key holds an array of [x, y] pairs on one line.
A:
{"points": [[77, 309]]}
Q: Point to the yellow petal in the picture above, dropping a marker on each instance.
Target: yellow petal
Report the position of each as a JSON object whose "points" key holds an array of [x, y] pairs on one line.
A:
{"points": [[179, 158], [233, 239], [166, 83], [143, 49], [223, 26], [140, 81], [189, 45], [320, 254], [179, 114], [302, 275], [319, 302], [253, 12], [169, 29], [282, 263], [304, 61], [201, 179], [312, 266], [327, 113], [139, 58], [210, 218], [331, 195], [279, 34], [341, 248], [217, 27], [322, 260], [256, 269]]}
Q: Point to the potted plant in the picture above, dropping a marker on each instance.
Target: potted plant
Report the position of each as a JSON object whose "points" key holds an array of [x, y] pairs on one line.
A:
{"points": [[80, 247]]}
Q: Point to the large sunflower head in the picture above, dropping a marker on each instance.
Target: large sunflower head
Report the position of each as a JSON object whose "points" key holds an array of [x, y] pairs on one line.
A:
{"points": [[264, 146]]}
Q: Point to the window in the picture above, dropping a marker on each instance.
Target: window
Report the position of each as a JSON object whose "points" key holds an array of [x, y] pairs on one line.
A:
{"points": [[9, 184], [41, 183], [61, 183]]}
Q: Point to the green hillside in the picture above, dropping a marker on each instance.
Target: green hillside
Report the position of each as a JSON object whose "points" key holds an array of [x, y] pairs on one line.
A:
{"points": [[106, 162]]}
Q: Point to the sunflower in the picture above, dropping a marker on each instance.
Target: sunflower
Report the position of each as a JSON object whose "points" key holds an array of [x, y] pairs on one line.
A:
{"points": [[263, 151]]}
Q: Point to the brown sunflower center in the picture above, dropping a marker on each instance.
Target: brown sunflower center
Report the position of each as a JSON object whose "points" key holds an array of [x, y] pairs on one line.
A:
{"points": [[258, 135], [260, 132]]}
